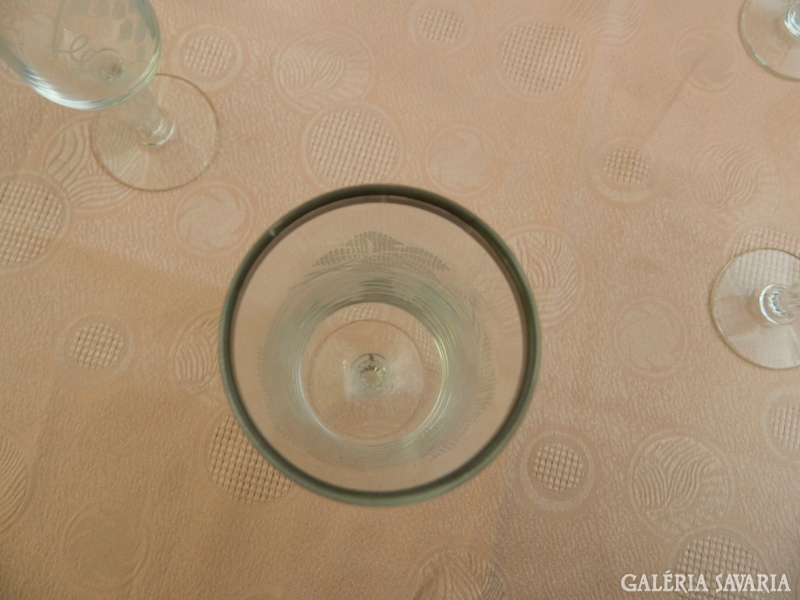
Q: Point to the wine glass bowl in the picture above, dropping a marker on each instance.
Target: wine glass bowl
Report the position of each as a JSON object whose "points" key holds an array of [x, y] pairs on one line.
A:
{"points": [[379, 344], [81, 54]]}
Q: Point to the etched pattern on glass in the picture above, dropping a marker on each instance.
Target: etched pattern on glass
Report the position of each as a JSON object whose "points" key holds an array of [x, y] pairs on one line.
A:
{"points": [[374, 248], [369, 270]]}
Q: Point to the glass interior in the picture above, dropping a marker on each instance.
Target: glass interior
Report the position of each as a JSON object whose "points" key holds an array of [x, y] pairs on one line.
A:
{"points": [[380, 345]]}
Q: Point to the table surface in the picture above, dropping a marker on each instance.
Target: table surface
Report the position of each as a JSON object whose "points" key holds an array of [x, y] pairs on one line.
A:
{"points": [[625, 150]]}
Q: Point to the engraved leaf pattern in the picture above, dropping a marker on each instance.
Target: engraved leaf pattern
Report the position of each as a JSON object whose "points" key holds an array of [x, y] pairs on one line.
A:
{"points": [[378, 249]]}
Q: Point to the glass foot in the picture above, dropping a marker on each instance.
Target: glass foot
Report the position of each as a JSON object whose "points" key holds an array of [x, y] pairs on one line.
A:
{"points": [[771, 33], [180, 159], [736, 303]]}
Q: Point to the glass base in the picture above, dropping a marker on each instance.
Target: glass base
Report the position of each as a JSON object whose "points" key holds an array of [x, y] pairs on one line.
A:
{"points": [[177, 161], [371, 373], [736, 306], [771, 33]]}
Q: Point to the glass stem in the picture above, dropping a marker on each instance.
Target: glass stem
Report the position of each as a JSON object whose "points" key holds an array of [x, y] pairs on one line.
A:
{"points": [[792, 19], [780, 303], [141, 112]]}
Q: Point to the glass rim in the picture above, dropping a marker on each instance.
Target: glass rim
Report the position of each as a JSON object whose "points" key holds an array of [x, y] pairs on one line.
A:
{"points": [[473, 226]]}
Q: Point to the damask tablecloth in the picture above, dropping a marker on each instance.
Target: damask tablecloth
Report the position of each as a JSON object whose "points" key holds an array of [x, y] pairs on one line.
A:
{"points": [[624, 149]]}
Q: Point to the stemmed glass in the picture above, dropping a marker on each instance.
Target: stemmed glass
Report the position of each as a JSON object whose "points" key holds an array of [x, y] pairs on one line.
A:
{"points": [[756, 306], [771, 32], [756, 298], [160, 131]]}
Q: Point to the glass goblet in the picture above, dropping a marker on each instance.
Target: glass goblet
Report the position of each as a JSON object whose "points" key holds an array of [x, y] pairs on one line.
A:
{"points": [[158, 132], [771, 33], [756, 306], [379, 345]]}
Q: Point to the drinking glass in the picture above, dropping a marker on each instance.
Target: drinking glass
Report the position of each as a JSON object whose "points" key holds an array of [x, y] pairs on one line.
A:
{"points": [[756, 298], [154, 132], [771, 33], [756, 307], [379, 344]]}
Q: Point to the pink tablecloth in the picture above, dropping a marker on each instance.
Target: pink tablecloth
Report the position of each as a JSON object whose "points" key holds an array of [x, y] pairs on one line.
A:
{"points": [[626, 151]]}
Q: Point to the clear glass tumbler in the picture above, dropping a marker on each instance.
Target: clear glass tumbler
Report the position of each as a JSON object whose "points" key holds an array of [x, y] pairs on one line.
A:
{"points": [[379, 344]]}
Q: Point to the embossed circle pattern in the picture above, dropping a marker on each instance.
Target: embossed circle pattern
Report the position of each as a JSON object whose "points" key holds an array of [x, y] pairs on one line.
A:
{"points": [[678, 483], [460, 575], [352, 145], [781, 421], [626, 167], [322, 68], [213, 218], [239, 470], [623, 170], [209, 56], [557, 467], [649, 338], [195, 359], [70, 162], [761, 236], [105, 545], [712, 552], [612, 22], [15, 482], [33, 216], [737, 182], [96, 346], [554, 273], [95, 349], [542, 57], [461, 160], [441, 25], [557, 471], [707, 58]]}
